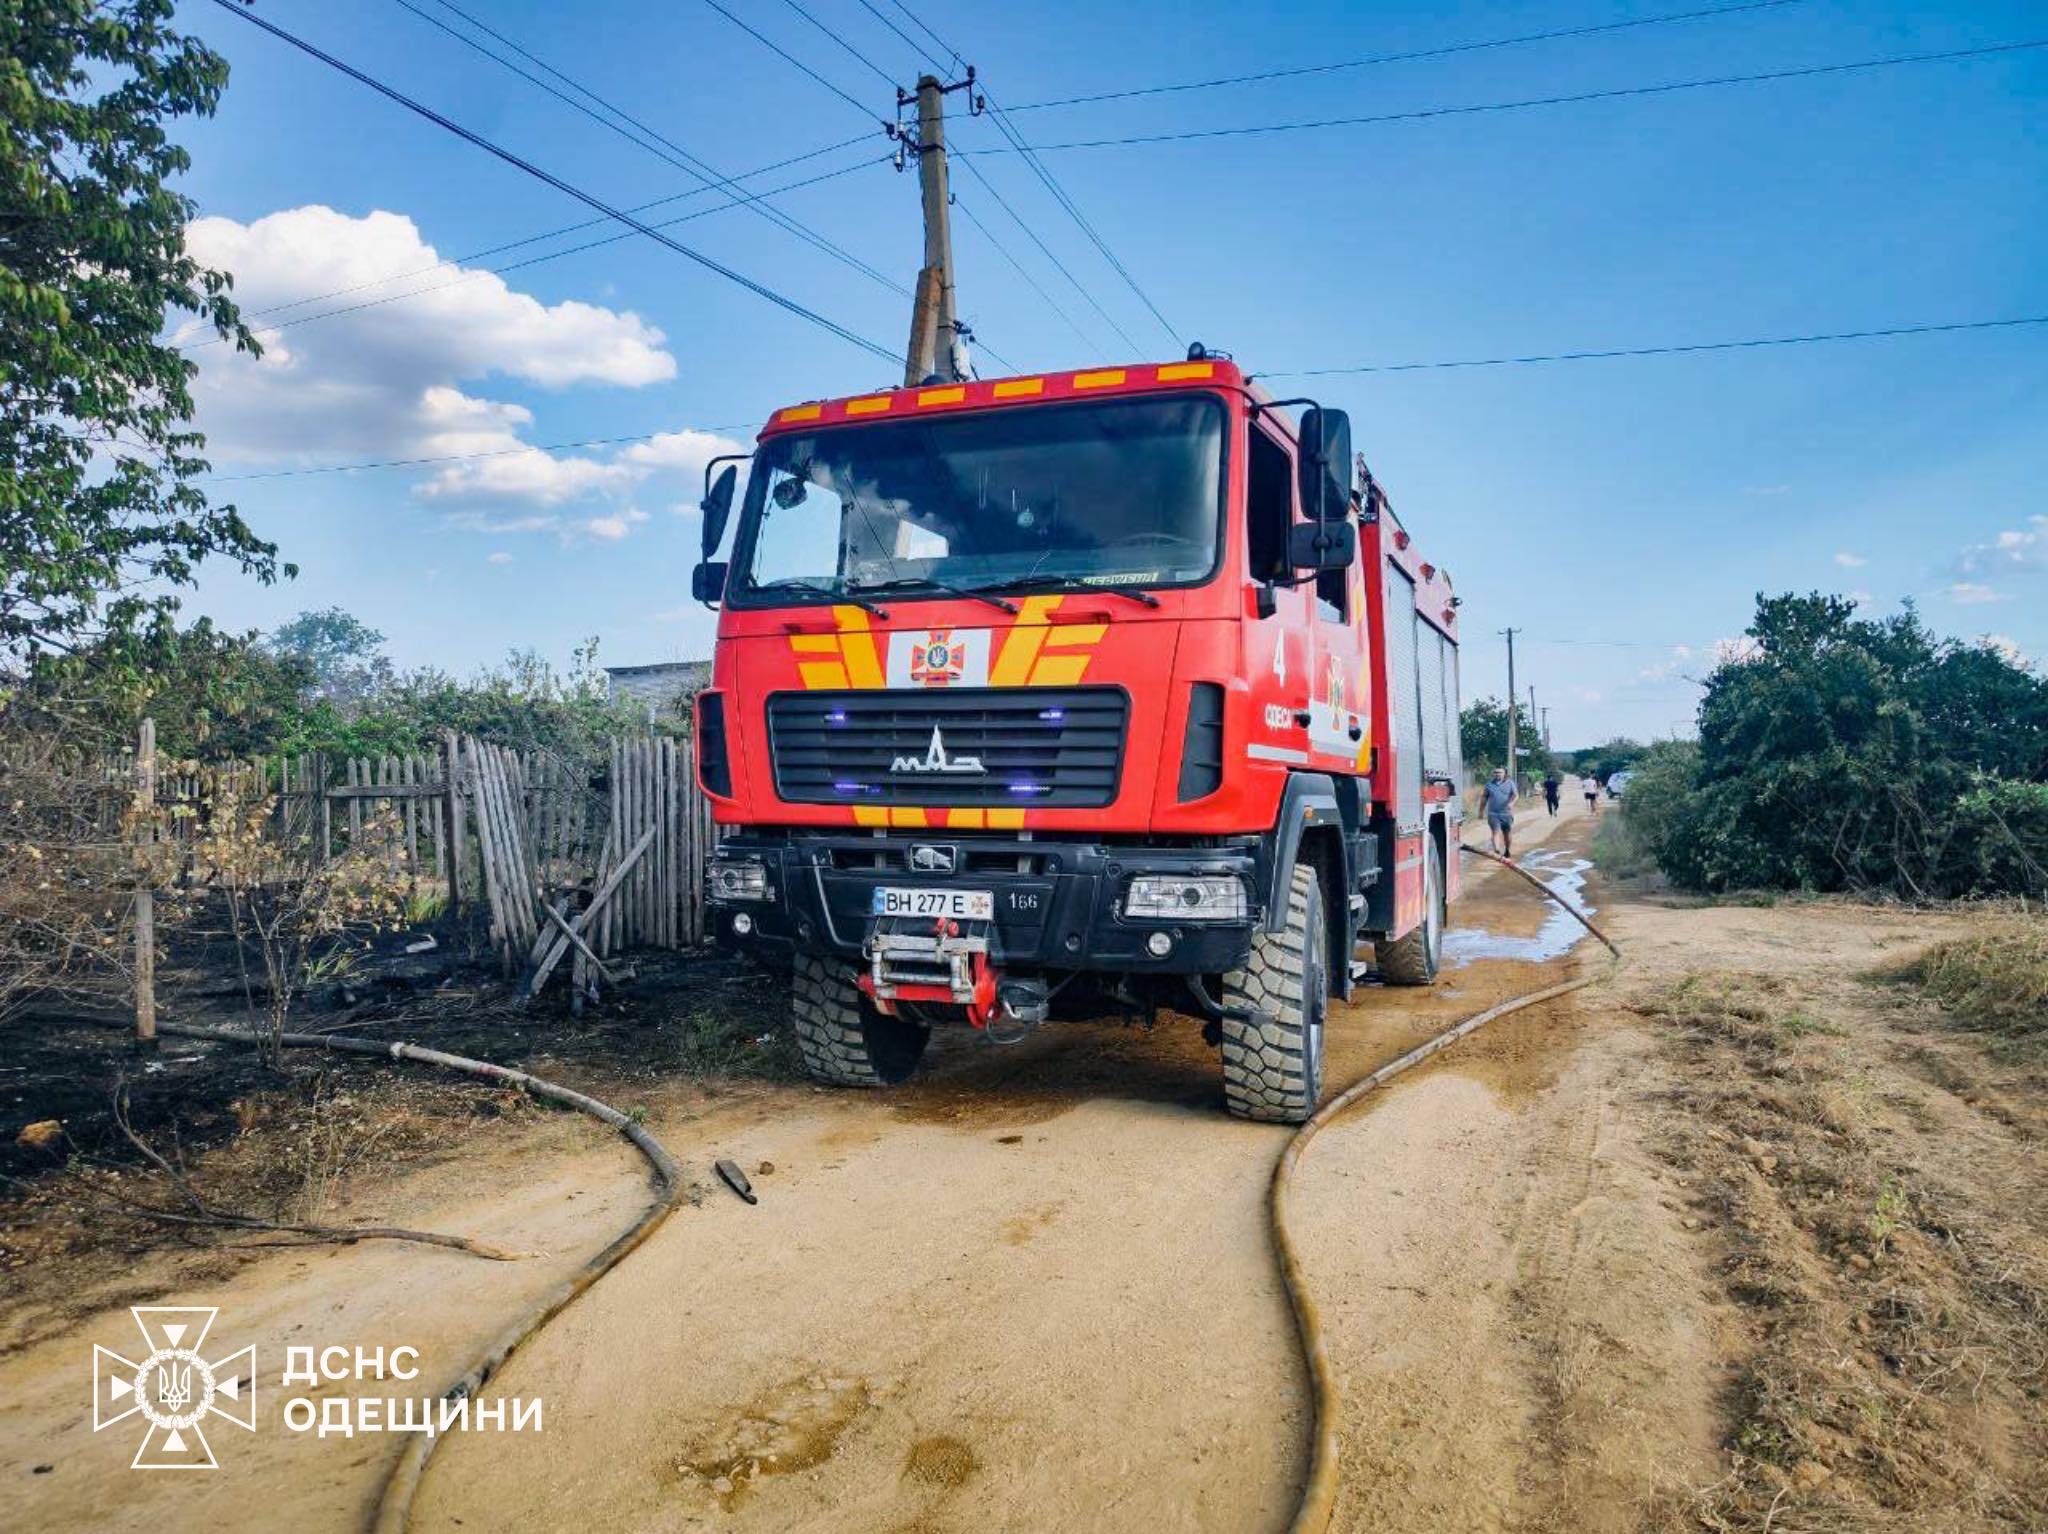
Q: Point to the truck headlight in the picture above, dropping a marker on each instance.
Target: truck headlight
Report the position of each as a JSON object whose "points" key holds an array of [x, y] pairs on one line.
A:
{"points": [[738, 881], [1172, 897]]}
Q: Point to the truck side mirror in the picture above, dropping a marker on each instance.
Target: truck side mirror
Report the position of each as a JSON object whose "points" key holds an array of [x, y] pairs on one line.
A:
{"points": [[1324, 464], [1330, 545], [707, 581], [717, 507]]}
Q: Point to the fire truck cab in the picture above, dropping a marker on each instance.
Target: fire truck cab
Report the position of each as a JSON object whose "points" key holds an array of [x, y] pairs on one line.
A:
{"points": [[1073, 694]]}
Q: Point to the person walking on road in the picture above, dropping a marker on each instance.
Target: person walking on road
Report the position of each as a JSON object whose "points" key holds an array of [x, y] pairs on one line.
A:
{"points": [[1552, 786], [1501, 794], [1590, 787]]}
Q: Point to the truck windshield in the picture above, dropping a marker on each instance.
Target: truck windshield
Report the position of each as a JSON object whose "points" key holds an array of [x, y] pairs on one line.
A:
{"points": [[1122, 492]]}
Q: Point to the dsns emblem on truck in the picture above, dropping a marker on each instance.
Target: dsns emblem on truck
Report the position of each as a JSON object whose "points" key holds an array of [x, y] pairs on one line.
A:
{"points": [[935, 760], [938, 659]]}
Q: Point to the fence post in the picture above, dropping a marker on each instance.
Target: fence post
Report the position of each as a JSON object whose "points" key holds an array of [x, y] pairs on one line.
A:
{"points": [[452, 769], [145, 894]]}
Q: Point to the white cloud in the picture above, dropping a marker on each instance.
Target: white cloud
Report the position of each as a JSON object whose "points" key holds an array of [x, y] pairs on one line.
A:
{"points": [[1850, 561], [1973, 594], [614, 526], [2003, 644], [1862, 598], [498, 557], [1664, 670], [1733, 652], [386, 381], [2012, 551]]}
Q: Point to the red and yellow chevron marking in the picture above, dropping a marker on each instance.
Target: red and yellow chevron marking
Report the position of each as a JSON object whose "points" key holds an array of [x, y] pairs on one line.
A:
{"points": [[1035, 652]]}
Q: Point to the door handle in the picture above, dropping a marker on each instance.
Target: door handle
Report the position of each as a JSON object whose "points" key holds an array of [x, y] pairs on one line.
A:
{"points": [[1357, 731]]}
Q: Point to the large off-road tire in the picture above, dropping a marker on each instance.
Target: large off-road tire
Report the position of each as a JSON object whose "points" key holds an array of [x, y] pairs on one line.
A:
{"points": [[1273, 1066], [842, 1038], [1414, 958]]}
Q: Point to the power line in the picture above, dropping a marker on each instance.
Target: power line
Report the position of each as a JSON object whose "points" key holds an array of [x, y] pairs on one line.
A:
{"points": [[551, 234], [1045, 250], [1044, 174], [514, 266], [595, 203], [795, 62], [1370, 60], [1003, 251], [1688, 348], [872, 66], [1059, 193], [1617, 93], [639, 133]]}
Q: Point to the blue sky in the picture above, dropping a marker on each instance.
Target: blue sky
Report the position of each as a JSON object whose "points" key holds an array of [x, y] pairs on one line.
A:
{"points": [[1621, 513]]}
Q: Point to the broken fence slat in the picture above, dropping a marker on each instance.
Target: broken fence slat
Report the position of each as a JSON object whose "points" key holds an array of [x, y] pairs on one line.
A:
{"points": [[598, 902]]}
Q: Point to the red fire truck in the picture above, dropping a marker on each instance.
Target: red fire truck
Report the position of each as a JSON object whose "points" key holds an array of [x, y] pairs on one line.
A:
{"points": [[1076, 694]]}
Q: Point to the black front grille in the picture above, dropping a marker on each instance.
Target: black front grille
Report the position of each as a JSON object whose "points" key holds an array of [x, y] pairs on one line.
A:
{"points": [[1035, 746]]}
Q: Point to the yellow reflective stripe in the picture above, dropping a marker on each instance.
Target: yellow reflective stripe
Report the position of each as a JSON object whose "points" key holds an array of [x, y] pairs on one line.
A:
{"points": [[873, 405], [1099, 380], [870, 815], [1076, 633], [1005, 820], [801, 413], [1173, 372], [821, 673], [951, 396], [1059, 670], [969, 820], [1020, 645], [1011, 388], [814, 644], [863, 665], [906, 817]]}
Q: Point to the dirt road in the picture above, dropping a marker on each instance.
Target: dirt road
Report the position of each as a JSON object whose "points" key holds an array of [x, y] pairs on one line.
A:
{"points": [[1034, 1292]]}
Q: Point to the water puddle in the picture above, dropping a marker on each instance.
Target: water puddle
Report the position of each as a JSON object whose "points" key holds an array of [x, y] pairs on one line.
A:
{"points": [[1565, 875]]}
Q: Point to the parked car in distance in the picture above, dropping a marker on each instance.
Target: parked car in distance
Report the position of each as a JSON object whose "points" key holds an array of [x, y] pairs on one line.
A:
{"points": [[1618, 781]]}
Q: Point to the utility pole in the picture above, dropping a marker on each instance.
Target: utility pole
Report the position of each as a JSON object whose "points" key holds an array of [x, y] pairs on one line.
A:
{"points": [[1514, 714], [1534, 716], [936, 348], [1546, 726]]}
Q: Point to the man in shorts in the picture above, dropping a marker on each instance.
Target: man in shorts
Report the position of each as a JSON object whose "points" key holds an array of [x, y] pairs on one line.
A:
{"points": [[1590, 787], [1500, 795]]}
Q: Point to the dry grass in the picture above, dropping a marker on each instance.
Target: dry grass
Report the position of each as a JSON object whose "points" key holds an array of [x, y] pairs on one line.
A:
{"points": [[1896, 1303], [1995, 979]]}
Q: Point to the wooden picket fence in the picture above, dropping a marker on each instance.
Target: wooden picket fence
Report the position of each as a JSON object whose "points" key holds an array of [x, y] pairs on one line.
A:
{"points": [[511, 834]]}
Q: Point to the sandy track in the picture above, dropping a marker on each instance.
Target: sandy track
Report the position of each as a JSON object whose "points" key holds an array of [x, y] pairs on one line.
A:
{"points": [[1031, 1292]]}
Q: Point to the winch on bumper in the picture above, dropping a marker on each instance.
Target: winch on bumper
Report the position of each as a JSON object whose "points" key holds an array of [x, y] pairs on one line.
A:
{"points": [[907, 911]]}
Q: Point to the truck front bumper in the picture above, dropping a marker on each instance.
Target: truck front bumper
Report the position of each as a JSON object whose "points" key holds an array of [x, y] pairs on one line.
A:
{"points": [[1058, 905]]}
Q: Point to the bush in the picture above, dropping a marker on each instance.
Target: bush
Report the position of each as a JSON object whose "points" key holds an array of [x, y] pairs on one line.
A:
{"points": [[1847, 754]]}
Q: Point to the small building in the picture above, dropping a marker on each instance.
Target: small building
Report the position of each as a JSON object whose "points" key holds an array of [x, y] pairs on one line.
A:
{"points": [[663, 688]]}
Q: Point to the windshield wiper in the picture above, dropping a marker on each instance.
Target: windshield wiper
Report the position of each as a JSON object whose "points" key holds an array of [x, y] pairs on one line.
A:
{"points": [[836, 593], [1046, 582], [926, 583]]}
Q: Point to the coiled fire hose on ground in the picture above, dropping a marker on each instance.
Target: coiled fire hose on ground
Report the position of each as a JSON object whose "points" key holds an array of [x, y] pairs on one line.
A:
{"points": [[394, 1505], [1319, 1493]]}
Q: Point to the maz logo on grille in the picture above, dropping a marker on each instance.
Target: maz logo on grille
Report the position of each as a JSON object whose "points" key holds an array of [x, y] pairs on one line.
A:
{"points": [[936, 760], [926, 858]]}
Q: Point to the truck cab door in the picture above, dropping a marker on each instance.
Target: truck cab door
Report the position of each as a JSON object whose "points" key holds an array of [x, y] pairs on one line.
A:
{"points": [[1279, 657], [1339, 708]]}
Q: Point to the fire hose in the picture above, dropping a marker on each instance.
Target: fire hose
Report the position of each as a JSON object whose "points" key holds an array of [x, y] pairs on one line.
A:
{"points": [[1318, 1497], [394, 1504], [1319, 1493]]}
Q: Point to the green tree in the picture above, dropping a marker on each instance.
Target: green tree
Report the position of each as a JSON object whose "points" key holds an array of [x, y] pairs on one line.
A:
{"points": [[1483, 737], [343, 654], [1855, 754], [99, 514]]}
